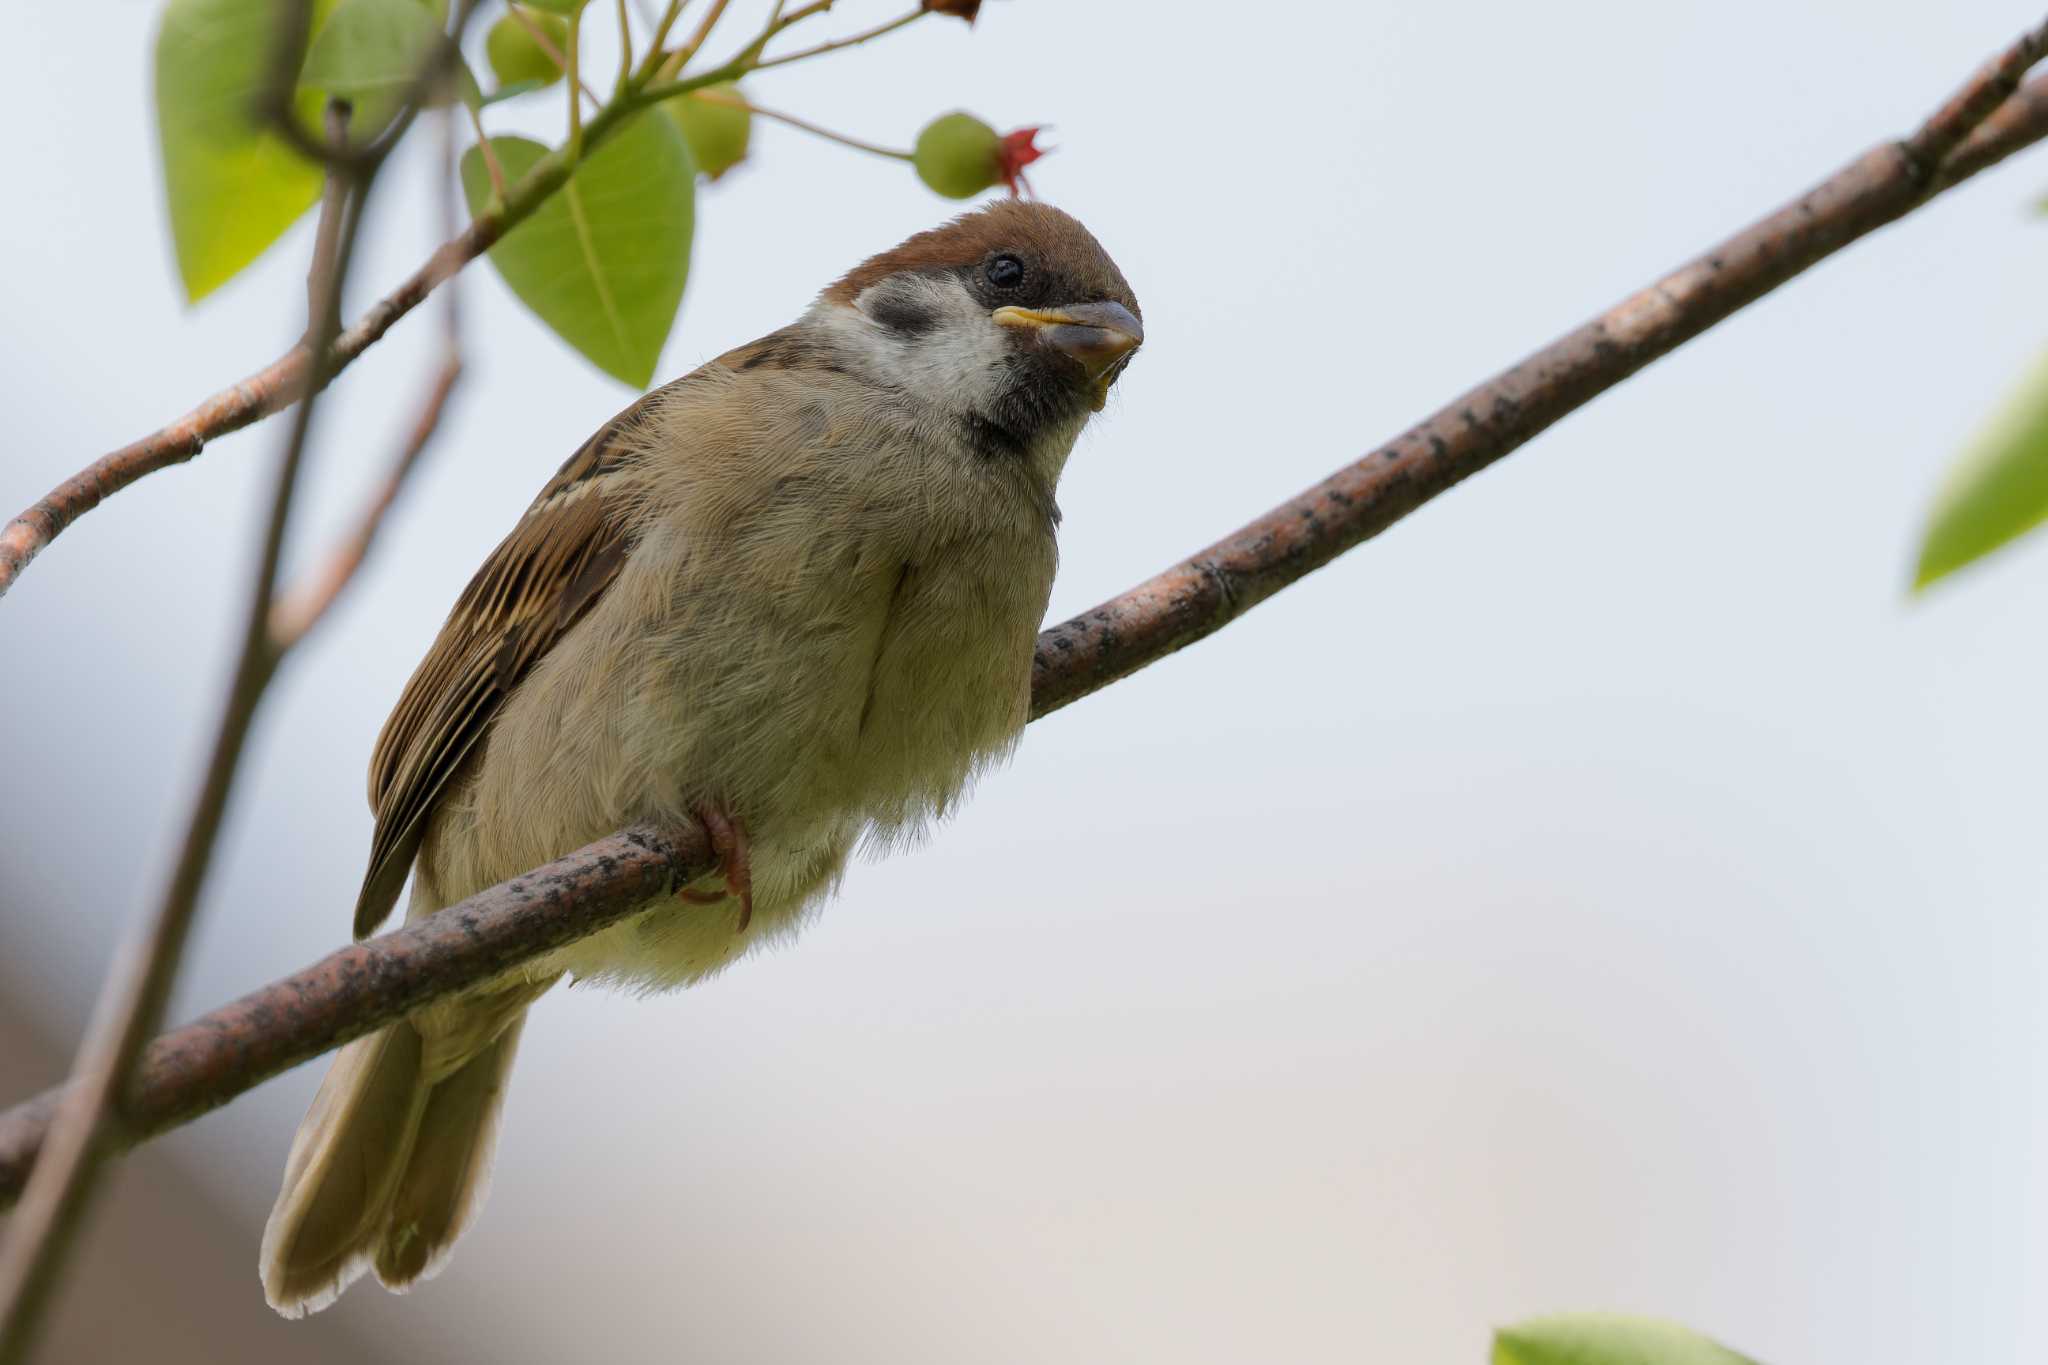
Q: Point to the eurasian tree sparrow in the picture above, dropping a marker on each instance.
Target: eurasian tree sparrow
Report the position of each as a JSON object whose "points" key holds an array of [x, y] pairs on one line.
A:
{"points": [[793, 594]]}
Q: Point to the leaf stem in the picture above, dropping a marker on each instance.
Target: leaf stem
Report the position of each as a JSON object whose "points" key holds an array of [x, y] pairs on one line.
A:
{"points": [[575, 45], [549, 50], [271, 388], [490, 156], [625, 50], [655, 45], [711, 17], [873, 149], [87, 1127], [851, 40]]}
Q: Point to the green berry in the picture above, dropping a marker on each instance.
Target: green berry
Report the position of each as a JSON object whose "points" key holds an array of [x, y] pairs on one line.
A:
{"points": [[958, 155], [716, 123], [516, 57]]}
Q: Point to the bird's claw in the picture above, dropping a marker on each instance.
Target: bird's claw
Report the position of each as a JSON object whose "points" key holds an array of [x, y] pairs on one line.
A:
{"points": [[729, 841]]}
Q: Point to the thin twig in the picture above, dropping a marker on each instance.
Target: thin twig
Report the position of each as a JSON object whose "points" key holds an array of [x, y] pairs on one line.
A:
{"points": [[277, 384], [295, 613], [334, 190], [704, 27], [816, 130], [749, 57], [669, 14], [85, 1127], [851, 40], [575, 147], [492, 166], [625, 49], [298, 611], [132, 1000], [364, 987], [552, 52]]}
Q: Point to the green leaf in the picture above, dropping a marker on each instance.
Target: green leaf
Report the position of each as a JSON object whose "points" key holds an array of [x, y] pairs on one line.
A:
{"points": [[232, 185], [562, 7], [512, 91], [370, 53], [603, 260], [1607, 1339], [1997, 491]]}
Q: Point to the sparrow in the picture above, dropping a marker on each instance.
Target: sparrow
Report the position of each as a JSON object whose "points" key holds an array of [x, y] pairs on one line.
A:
{"points": [[792, 595]]}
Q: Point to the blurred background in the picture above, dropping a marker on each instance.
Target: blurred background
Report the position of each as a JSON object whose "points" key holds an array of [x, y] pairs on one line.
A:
{"points": [[1605, 890]]}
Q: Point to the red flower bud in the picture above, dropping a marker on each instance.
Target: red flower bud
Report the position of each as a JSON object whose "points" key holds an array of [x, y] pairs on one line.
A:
{"points": [[959, 9], [1014, 153]]}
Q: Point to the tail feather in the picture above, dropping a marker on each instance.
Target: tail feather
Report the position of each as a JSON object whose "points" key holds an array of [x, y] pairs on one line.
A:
{"points": [[345, 1163], [448, 1172], [393, 1158]]}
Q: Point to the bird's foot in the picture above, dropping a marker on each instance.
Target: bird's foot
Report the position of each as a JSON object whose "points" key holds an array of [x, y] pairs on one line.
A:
{"points": [[729, 842]]}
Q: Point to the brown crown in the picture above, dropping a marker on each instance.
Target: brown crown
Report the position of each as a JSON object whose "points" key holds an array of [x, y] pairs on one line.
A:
{"points": [[1030, 229]]}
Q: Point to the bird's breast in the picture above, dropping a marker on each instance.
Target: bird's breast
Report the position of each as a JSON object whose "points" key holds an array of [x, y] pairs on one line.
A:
{"points": [[949, 686], [849, 625]]}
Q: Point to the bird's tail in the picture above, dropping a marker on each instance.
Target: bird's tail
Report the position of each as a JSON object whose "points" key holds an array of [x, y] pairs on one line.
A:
{"points": [[393, 1159]]}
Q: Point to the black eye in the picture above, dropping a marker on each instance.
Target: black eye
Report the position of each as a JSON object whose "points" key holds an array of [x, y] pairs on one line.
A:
{"points": [[1005, 272]]}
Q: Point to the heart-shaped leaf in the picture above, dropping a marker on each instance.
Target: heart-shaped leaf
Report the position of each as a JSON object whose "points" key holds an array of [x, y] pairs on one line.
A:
{"points": [[370, 53], [604, 259], [1997, 491], [232, 185], [512, 91], [1607, 1339]]}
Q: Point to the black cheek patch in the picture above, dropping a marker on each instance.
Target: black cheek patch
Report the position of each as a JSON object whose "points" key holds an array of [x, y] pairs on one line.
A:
{"points": [[991, 440], [906, 317]]}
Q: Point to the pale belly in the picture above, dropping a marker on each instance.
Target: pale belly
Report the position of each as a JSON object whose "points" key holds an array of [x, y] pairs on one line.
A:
{"points": [[859, 705]]}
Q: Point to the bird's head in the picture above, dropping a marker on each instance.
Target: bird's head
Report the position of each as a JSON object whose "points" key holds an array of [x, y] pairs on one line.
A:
{"points": [[1012, 318]]}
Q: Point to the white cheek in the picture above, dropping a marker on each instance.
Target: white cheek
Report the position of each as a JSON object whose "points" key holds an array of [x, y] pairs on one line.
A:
{"points": [[959, 361]]}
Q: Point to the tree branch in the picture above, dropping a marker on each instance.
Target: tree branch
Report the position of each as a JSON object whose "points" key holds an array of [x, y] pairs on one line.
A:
{"points": [[277, 385], [363, 987], [851, 40], [295, 613], [131, 1001], [1203, 594], [271, 389]]}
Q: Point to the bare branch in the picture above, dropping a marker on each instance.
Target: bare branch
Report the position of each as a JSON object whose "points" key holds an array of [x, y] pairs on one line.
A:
{"points": [[850, 40], [2016, 124], [132, 999], [803, 125], [1213, 588], [298, 611], [271, 389], [365, 986], [130, 1008], [277, 385], [361, 988], [704, 27], [333, 197], [295, 613]]}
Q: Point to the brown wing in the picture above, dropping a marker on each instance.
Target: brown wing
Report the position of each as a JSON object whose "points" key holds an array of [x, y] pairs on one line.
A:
{"points": [[540, 580]]}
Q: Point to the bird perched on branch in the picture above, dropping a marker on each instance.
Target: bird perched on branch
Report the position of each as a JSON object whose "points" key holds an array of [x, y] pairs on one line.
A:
{"points": [[792, 595]]}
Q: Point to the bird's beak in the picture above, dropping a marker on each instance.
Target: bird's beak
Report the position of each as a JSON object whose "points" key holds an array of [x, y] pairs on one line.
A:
{"points": [[1100, 335]]}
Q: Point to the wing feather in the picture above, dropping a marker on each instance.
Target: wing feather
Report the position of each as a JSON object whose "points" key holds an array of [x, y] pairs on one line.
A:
{"points": [[553, 567]]}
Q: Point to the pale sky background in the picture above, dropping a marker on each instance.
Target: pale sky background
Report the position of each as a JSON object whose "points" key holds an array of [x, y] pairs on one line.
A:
{"points": [[1605, 890]]}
